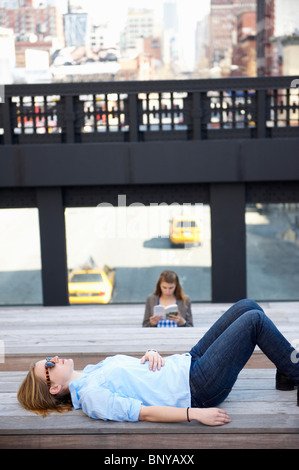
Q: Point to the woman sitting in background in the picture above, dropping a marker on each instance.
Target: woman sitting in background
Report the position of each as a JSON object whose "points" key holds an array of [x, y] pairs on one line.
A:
{"points": [[168, 291]]}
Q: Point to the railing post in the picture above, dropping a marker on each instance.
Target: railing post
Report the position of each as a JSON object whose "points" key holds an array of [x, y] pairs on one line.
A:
{"points": [[7, 124], [261, 113], [69, 117], [133, 117], [196, 115]]}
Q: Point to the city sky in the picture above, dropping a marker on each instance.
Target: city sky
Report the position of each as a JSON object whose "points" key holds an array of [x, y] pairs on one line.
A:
{"points": [[189, 13], [189, 10], [115, 12]]}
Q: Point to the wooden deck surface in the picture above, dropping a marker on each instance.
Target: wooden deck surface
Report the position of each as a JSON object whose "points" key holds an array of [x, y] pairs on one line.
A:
{"points": [[90, 333], [262, 417]]}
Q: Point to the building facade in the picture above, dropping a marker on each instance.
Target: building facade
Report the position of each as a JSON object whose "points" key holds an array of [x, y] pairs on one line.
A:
{"points": [[223, 27]]}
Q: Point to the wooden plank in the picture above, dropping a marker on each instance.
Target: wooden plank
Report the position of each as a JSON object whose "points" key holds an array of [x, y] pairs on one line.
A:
{"points": [[264, 402], [246, 376], [74, 422], [249, 379], [113, 442], [255, 379], [23, 361], [131, 315], [245, 403]]}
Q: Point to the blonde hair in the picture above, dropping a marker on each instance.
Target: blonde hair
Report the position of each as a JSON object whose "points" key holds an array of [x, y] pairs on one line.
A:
{"points": [[34, 396], [171, 278]]}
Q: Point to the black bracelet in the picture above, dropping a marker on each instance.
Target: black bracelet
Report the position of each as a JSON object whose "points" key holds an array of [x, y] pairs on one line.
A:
{"points": [[188, 414]]}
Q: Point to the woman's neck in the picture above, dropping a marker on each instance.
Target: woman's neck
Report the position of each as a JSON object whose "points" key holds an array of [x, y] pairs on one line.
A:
{"points": [[167, 299], [75, 375]]}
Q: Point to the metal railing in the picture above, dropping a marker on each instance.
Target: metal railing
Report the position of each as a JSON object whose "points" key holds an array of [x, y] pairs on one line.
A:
{"points": [[262, 107]]}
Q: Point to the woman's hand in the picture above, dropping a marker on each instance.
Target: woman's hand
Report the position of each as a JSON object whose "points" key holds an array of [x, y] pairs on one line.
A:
{"points": [[177, 318], [209, 416], [154, 359], [154, 319]]}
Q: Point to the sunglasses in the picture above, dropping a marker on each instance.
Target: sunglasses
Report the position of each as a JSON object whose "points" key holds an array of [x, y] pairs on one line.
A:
{"points": [[49, 363]]}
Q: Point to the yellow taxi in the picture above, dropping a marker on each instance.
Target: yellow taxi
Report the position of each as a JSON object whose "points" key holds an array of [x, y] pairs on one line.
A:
{"points": [[91, 286], [184, 230]]}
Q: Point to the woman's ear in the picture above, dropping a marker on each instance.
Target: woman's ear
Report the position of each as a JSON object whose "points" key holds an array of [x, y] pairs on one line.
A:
{"points": [[55, 389]]}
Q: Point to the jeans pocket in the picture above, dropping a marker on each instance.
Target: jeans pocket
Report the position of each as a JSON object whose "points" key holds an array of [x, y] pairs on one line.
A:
{"points": [[217, 399]]}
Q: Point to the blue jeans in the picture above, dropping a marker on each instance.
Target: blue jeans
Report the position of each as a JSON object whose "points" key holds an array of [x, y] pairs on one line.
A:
{"points": [[224, 350]]}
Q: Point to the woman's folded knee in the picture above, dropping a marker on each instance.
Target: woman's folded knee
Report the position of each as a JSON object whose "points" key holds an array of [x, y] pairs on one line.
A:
{"points": [[249, 304], [255, 319]]}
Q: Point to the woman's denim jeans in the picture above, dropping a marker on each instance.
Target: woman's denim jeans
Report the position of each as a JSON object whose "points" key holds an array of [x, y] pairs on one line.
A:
{"points": [[224, 350]]}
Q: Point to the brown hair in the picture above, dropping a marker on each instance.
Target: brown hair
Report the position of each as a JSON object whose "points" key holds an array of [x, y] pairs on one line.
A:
{"points": [[34, 396], [171, 278]]}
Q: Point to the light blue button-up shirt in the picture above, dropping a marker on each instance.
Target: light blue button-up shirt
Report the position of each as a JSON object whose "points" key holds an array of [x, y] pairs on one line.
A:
{"points": [[116, 388]]}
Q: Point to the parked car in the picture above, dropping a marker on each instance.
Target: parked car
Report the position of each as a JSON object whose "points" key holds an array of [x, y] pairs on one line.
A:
{"points": [[91, 285], [184, 230]]}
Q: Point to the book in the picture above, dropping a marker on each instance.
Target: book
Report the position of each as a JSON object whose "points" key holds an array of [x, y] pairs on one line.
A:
{"points": [[164, 312]]}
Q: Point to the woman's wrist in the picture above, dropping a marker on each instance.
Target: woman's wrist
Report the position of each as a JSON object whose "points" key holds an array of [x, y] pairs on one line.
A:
{"points": [[192, 414]]}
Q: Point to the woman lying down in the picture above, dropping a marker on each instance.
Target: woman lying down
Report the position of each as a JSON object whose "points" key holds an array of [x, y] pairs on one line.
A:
{"points": [[181, 387]]}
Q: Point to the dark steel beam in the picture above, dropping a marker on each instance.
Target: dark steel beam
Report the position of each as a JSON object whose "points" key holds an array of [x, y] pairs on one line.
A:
{"points": [[228, 242], [221, 141], [53, 246]]}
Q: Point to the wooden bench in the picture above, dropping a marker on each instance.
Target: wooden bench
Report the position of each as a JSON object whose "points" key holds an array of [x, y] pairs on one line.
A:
{"points": [[89, 333], [262, 418]]}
